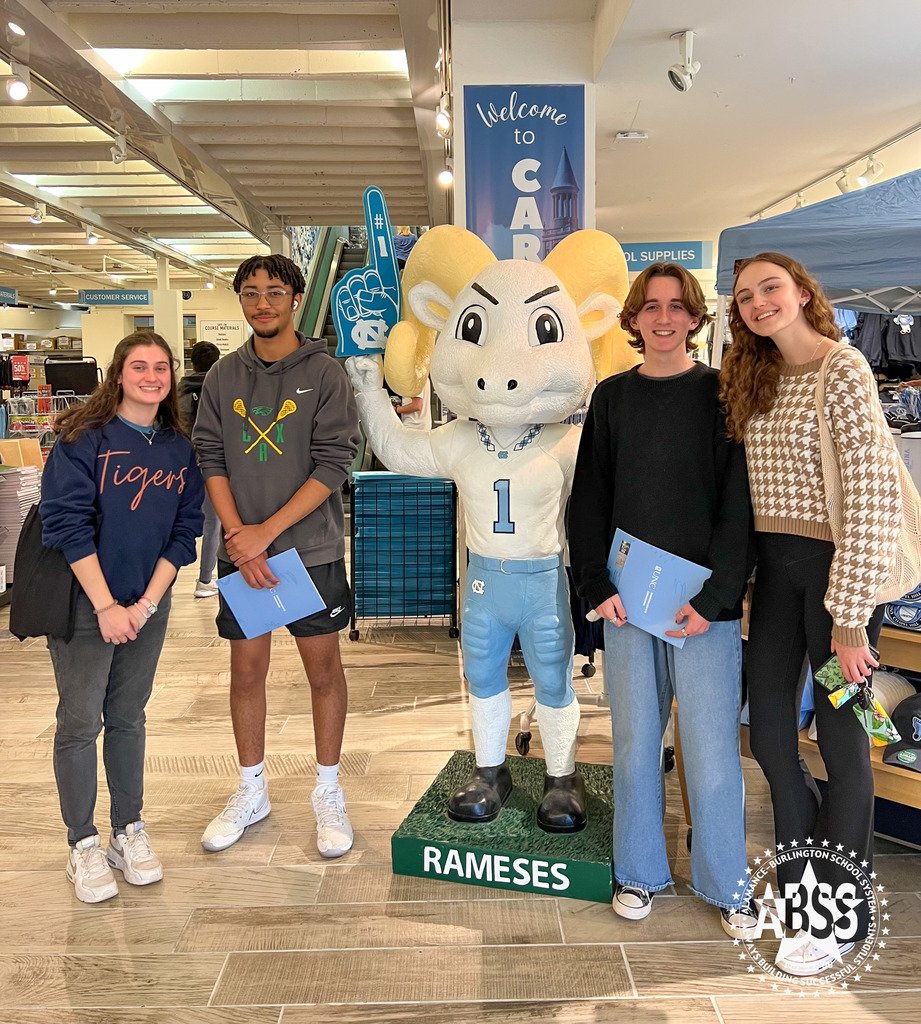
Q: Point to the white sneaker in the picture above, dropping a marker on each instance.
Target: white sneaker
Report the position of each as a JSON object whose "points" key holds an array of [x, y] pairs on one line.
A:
{"points": [[206, 589], [87, 869], [248, 805], [334, 830], [808, 959], [132, 855], [632, 902]]}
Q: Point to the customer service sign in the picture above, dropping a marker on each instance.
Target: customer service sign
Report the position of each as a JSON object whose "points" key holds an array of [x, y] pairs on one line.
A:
{"points": [[524, 157]]}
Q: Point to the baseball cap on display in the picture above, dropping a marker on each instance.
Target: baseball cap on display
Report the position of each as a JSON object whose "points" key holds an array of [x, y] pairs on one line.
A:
{"points": [[907, 720]]}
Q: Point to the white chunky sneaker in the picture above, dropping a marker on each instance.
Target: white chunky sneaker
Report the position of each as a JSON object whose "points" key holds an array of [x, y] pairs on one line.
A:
{"points": [[87, 869], [334, 830], [247, 806], [206, 589], [132, 855]]}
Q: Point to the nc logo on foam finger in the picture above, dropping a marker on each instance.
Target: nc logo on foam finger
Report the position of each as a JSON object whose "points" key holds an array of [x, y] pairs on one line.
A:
{"points": [[366, 302]]}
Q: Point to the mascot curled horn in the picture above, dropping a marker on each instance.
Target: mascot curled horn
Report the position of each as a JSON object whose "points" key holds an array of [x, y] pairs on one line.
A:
{"points": [[514, 353]]}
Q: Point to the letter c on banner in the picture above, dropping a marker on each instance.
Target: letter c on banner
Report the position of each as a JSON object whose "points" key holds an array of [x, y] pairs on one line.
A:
{"points": [[520, 178]]}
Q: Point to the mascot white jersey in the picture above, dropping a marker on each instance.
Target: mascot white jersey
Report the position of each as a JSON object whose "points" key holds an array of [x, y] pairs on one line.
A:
{"points": [[514, 353]]}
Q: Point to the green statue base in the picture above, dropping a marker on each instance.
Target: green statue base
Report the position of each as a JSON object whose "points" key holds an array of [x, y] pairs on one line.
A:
{"points": [[511, 852]]}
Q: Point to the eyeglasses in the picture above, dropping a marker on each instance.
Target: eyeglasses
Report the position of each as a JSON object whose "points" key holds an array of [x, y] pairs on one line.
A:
{"points": [[276, 296]]}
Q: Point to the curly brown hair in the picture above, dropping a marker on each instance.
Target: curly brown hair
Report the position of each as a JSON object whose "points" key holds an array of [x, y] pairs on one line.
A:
{"points": [[102, 405], [692, 298], [750, 372]]}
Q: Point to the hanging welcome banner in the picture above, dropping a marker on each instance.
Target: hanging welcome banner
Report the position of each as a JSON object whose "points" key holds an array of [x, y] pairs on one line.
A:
{"points": [[524, 166]]}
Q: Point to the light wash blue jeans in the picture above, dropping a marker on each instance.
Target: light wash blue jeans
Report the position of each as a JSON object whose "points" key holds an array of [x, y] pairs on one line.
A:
{"points": [[642, 674]]}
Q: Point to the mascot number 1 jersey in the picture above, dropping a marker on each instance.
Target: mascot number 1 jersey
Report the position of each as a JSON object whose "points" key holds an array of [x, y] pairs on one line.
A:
{"points": [[511, 496]]}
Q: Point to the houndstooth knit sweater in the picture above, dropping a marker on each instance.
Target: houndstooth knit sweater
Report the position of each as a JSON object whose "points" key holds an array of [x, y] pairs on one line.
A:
{"points": [[785, 473]]}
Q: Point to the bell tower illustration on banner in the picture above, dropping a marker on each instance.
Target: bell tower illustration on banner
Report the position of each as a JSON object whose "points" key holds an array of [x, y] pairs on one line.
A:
{"points": [[566, 193]]}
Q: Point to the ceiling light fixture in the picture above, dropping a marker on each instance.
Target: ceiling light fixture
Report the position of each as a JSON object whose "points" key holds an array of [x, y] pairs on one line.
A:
{"points": [[872, 171], [91, 237], [446, 176], [844, 183], [681, 75], [209, 284], [119, 150], [17, 30], [31, 311], [39, 213], [53, 291], [444, 124], [19, 85]]}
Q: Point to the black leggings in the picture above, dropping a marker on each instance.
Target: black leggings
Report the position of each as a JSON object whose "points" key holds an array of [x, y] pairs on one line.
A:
{"points": [[789, 620]]}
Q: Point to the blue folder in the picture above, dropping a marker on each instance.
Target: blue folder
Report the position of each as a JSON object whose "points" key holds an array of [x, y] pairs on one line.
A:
{"points": [[261, 611], [653, 584]]}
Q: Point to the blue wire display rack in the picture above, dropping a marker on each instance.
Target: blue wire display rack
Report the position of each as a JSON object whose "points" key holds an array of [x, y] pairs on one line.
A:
{"points": [[404, 549]]}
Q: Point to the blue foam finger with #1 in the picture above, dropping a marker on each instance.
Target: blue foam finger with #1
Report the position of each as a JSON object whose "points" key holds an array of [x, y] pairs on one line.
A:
{"points": [[366, 302], [260, 611]]}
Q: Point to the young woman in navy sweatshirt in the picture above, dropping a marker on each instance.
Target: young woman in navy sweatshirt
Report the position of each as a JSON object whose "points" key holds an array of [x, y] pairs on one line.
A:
{"points": [[121, 498]]}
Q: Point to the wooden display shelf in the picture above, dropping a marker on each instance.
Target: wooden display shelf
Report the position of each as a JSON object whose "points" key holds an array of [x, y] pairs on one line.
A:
{"points": [[900, 648]]}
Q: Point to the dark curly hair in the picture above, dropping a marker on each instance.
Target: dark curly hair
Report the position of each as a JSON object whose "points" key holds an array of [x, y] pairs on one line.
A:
{"points": [[102, 405], [750, 373], [275, 265]]}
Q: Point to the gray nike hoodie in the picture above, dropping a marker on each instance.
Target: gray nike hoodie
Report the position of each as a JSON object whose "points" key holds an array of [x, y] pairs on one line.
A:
{"points": [[269, 429]]}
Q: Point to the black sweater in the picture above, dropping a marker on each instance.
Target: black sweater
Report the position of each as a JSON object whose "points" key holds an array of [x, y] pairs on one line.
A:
{"points": [[654, 461]]}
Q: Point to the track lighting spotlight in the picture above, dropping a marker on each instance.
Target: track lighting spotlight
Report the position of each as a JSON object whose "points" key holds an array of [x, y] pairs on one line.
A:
{"points": [[446, 176], [681, 75], [53, 290], [91, 237], [38, 214], [872, 171], [17, 30], [844, 183], [444, 125], [19, 85], [209, 284], [119, 150]]}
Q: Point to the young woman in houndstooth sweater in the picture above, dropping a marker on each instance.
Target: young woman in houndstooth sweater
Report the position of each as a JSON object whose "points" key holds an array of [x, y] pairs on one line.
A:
{"points": [[811, 596]]}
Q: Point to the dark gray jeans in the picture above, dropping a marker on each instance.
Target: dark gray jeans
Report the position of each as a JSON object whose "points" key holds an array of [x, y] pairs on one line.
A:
{"points": [[106, 686]]}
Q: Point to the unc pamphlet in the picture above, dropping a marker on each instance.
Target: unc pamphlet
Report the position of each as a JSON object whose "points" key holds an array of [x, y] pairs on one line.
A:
{"points": [[261, 611], [653, 584]]}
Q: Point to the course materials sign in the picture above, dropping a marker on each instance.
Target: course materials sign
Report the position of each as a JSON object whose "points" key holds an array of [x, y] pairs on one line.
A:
{"points": [[366, 302], [524, 166], [228, 335], [9, 296], [114, 297], [691, 255]]}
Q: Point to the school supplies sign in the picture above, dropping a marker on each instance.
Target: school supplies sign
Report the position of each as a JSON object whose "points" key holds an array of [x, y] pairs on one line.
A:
{"points": [[524, 166]]}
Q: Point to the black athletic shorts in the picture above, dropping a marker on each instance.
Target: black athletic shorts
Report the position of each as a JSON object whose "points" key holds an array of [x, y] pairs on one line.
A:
{"points": [[329, 579]]}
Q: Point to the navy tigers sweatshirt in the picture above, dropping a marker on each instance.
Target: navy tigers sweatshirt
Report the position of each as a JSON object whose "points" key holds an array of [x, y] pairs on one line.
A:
{"points": [[130, 502]]}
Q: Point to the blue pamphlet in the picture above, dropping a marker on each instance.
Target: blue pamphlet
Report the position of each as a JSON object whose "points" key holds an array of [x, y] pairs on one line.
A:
{"points": [[653, 584], [261, 611]]}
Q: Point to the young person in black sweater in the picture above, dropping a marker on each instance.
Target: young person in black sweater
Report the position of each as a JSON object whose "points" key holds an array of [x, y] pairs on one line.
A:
{"points": [[121, 498], [655, 461]]}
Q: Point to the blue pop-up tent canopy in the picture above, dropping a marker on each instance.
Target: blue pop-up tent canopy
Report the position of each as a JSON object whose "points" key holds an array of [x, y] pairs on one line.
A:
{"points": [[864, 247]]}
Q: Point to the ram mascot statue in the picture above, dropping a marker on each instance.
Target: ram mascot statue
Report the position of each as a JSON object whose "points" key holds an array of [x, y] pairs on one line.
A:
{"points": [[513, 348]]}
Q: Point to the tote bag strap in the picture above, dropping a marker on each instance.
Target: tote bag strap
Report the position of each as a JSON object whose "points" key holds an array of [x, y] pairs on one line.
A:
{"points": [[831, 472]]}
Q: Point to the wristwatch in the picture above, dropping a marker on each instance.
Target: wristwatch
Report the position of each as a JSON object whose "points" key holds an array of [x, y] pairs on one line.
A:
{"points": [[151, 606]]}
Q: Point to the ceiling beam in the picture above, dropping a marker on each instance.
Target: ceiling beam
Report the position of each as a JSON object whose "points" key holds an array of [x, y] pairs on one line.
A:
{"points": [[283, 135], [314, 7], [376, 92], [201, 62], [261, 31], [296, 115]]}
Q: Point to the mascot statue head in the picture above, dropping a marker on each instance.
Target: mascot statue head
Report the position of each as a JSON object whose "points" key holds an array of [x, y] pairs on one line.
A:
{"points": [[509, 342]]}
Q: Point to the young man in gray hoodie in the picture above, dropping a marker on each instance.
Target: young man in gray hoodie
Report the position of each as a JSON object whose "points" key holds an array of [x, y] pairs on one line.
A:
{"points": [[276, 432]]}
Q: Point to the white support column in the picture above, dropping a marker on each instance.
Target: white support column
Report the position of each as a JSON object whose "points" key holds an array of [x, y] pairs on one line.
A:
{"points": [[280, 242], [167, 312]]}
